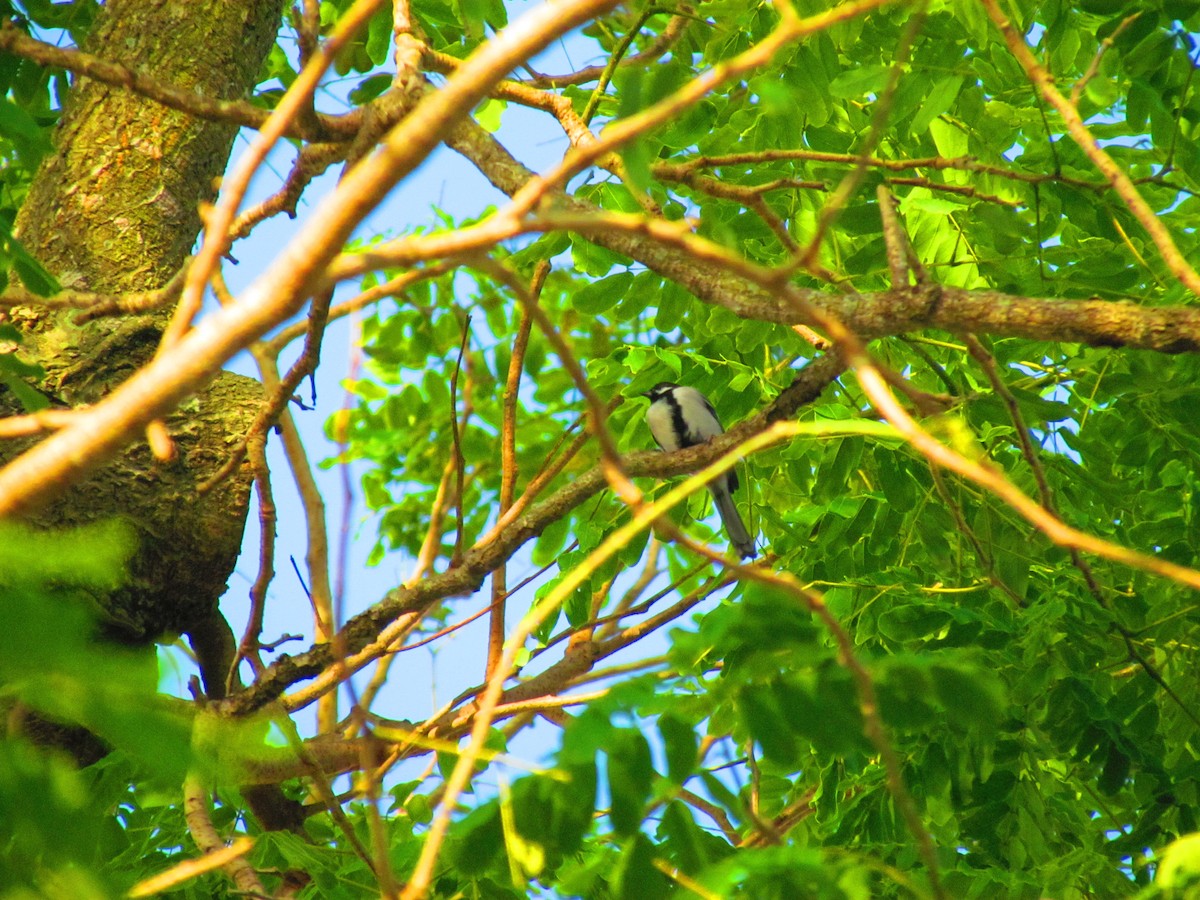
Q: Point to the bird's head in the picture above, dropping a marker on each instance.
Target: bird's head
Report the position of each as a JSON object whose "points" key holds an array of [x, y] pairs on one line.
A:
{"points": [[660, 390]]}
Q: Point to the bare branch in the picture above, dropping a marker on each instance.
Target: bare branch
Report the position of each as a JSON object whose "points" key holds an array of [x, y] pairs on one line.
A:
{"points": [[220, 219], [95, 305], [282, 289], [658, 48], [311, 162], [236, 112], [879, 119], [508, 462], [179, 873], [200, 826], [375, 630], [460, 463]]}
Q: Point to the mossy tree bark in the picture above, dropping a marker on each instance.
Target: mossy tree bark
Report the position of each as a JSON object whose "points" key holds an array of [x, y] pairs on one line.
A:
{"points": [[116, 208]]}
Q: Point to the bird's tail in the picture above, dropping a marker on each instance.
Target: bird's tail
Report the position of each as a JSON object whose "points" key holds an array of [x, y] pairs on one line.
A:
{"points": [[732, 520]]}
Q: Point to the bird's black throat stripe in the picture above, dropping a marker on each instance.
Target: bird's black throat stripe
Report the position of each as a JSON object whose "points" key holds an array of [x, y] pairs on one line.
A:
{"points": [[688, 437], [678, 424]]}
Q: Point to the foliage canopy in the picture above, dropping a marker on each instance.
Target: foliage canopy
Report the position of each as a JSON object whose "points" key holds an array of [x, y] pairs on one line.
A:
{"points": [[965, 665]]}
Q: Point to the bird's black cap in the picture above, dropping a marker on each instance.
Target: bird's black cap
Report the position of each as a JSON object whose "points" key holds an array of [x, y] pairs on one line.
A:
{"points": [[663, 387]]}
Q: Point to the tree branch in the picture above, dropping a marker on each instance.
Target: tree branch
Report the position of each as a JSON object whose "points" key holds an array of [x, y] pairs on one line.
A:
{"points": [[295, 274], [235, 112], [367, 633], [717, 275]]}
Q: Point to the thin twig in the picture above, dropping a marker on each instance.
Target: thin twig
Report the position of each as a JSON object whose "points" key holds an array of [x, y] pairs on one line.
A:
{"points": [[484, 708], [508, 462], [93, 305], [661, 45], [376, 630], [237, 112], [220, 217], [614, 60], [200, 826], [1105, 45], [650, 571], [191, 868], [597, 409], [790, 28], [981, 554], [554, 465], [36, 423], [868, 702], [894, 239], [456, 439], [307, 20], [280, 291], [250, 643], [879, 117], [310, 162], [391, 288], [317, 553], [282, 393], [430, 548]]}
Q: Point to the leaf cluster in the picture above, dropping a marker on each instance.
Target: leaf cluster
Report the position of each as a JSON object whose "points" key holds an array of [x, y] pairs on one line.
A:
{"points": [[1040, 705]]}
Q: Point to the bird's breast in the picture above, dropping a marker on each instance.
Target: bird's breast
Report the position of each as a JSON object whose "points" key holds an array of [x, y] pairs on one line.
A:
{"points": [[661, 427]]}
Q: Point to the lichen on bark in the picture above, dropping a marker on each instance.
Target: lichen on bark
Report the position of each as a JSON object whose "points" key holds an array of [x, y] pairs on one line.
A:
{"points": [[116, 208]]}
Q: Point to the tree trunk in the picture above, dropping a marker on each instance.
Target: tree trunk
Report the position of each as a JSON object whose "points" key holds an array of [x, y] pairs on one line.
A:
{"points": [[116, 208]]}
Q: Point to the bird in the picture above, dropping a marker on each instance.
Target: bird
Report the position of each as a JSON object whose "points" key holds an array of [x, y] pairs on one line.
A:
{"points": [[681, 416]]}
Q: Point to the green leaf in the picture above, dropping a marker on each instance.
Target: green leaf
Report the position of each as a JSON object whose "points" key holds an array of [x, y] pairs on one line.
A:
{"points": [[630, 773], [30, 398], [673, 304], [92, 556], [32, 273], [370, 88], [551, 542], [488, 114], [825, 710], [601, 296], [938, 100], [379, 37], [49, 659], [1115, 772], [685, 843], [951, 141], [769, 725], [572, 807], [545, 247], [636, 877], [680, 745], [860, 80], [1180, 866], [807, 78], [29, 138], [592, 259], [478, 840], [970, 693], [638, 156], [912, 622], [63, 828]]}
